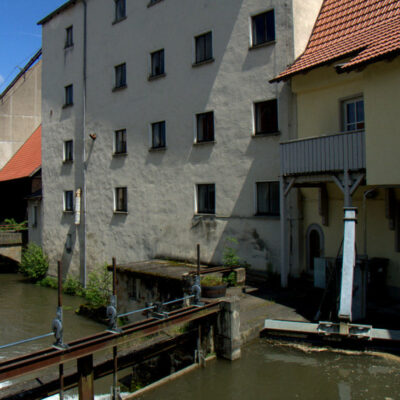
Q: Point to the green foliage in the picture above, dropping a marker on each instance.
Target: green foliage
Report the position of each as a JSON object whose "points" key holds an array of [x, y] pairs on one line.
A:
{"points": [[230, 257], [72, 286], [230, 279], [211, 280], [10, 224], [99, 287], [49, 282], [34, 263]]}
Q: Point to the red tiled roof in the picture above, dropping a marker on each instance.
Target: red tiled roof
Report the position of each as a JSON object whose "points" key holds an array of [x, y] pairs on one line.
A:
{"points": [[364, 31], [26, 161]]}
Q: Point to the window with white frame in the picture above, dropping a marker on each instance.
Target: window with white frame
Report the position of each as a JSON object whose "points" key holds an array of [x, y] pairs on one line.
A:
{"points": [[205, 201], [266, 117], [121, 199], [120, 76], [69, 40], [68, 200], [158, 135], [267, 198], [205, 127], [353, 114], [120, 141], [263, 28], [157, 63], [203, 48], [68, 150], [120, 10], [69, 95]]}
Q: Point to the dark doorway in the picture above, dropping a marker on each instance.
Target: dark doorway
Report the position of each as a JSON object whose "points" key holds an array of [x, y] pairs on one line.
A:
{"points": [[315, 245]]}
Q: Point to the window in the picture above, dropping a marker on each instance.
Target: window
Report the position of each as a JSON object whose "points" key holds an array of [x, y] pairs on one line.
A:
{"points": [[120, 76], [157, 63], [120, 142], [69, 95], [205, 127], [34, 216], [266, 117], [353, 114], [204, 50], [121, 199], [68, 37], [267, 198], [158, 135], [68, 150], [120, 10], [263, 28], [68, 200], [206, 198]]}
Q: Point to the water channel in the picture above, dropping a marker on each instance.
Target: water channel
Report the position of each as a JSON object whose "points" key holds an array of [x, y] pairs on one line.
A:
{"points": [[265, 371]]}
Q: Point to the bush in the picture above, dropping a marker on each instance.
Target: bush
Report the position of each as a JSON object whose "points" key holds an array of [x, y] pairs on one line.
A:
{"points": [[230, 279], [49, 282], [230, 257], [34, 263], [99, 287], [10, 224], [72, 286]]}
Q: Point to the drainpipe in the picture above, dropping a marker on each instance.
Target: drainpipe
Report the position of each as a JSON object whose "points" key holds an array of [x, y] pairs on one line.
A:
{"points": [[84, 139]]}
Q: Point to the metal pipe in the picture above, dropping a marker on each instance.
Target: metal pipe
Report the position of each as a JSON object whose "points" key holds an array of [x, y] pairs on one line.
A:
{"points": [[59, 273], [5, 346], [115, 371], [61, 371], [198, 259], [135, 311], [178, 300]]}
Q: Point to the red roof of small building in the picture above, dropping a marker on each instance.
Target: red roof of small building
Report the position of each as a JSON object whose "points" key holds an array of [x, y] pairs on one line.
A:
{"points": [[26, 161], [364, 31]]}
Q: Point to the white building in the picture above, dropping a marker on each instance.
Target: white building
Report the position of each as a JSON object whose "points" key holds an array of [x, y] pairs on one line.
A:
{"points": [[161, 112]]}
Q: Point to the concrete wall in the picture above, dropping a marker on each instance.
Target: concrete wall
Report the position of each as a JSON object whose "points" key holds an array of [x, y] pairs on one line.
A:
{"points": [[161, 218], [20, 112]]}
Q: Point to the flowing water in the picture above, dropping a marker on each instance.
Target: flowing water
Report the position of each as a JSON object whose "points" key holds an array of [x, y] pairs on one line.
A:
{"points": [[265, 371]]}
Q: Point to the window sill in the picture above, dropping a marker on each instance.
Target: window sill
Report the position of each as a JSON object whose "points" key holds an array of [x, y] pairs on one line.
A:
{"points": [[68, 162], [267, 216], [155, 77], [265, 134], [120, 212], [151, 149], [118, 88], [67, 105], [264, 44], [204, 62], [205, 215], [70, 212], [204, 142], [119, 20], [120, 154], [153, 3]]}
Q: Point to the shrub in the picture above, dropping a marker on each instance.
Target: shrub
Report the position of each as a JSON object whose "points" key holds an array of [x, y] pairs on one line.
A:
{"points": [[230, 279], [34, 263], [48, 281], [10, 224], [72, 286], [99, 287], [230, 257]]}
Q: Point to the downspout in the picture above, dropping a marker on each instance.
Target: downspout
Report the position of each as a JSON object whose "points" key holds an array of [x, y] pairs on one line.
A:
{"points": [[83, 139]]}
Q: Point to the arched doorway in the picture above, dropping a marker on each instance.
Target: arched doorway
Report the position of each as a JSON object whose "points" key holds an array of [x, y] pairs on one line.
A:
{"points": [[314, 245]]}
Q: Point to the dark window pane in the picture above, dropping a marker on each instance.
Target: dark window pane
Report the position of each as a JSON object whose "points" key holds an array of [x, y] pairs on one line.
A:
{"points": [[120, 75], [204, 47], [69, 38], [120, 141], [158, 134], [266, 117], [121, 199], [206, 199], [68, 95], [205, 127], [69, 200], [268, 198], [263, 27], [157, 63], [120, 9], [68, 150]]}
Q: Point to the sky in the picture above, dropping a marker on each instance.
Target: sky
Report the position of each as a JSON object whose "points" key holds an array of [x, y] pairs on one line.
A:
{"points": [[20, 36]]}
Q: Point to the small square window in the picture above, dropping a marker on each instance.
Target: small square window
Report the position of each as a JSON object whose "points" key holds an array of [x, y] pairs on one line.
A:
{"points": [[204, 50], [267, 198], [263, 28], [206, 198], [121, 199], [120, 141], [205, 127], [120, 76], [353, 114], [69, 200], [266, 117], [120, 10], [69, 95], [69, 40], [157, 63], [35, 216], [158, 135], [68, 150]]}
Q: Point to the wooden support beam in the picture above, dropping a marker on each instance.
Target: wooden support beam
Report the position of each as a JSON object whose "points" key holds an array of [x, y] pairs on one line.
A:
{"points": [[85, 378]]}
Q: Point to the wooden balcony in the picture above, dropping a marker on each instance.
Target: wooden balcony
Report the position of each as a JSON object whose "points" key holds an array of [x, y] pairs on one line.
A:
{"points": [[324, 154]]}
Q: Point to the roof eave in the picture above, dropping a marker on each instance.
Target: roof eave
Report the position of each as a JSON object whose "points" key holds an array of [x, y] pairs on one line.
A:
{"points": [[59, 10]]}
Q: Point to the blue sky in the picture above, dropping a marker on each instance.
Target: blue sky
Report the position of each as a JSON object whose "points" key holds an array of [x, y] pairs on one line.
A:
{"points": [[20, 36]]}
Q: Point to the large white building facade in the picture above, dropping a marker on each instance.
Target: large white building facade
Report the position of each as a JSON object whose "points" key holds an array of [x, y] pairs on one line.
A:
{"points": [[160, 111]]}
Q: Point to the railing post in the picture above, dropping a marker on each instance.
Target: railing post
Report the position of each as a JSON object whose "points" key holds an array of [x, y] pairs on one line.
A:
{"points": [[85, 378]]}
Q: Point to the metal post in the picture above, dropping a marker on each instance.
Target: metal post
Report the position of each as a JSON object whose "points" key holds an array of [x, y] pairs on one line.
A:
{"points": [[198, 260], [115, 391], [57, 324], [85, 378], [112, 308], [284, 255], [61, 373]]}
